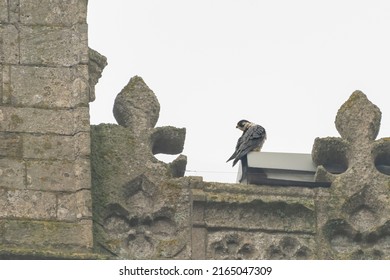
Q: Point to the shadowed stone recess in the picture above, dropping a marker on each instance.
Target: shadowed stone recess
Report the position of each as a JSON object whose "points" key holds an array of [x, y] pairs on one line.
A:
{"points": [[178, 166], [168, 140], [381, 155], [331, 153]]}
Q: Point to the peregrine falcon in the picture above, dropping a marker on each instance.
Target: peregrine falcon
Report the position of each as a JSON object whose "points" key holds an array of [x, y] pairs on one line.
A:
{"points": [[252, 138]]}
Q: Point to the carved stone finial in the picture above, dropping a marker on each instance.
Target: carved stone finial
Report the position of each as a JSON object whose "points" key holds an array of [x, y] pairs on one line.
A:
{"points": [[358, 122], [356, 207], [358, 118], [141, 205], [136, 106]]}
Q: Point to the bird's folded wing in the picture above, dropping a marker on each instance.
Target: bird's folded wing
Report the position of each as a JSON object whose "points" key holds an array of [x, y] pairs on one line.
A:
{"points": [[239, 142], [251, 139]]}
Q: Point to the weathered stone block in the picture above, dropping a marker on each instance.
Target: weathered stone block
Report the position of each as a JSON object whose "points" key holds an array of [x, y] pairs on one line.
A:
{"points": [[55, 147], [1, 82], [58, 175], [82, 144], [47, 234], [231, 245], [198, 244], [260, 215], [3, 11], [11, 145], [50, 175], [12, 174], [27, 204], [49, 12], [47, 87], [4, 81], [96, 64], [80, 84], [53, 46], [9, 45], [33, 120], [73, 206], [14, 8]]}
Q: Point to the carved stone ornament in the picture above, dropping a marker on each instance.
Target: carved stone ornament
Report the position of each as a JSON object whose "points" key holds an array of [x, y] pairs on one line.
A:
{"points": [[141, 209], [356, 210]]}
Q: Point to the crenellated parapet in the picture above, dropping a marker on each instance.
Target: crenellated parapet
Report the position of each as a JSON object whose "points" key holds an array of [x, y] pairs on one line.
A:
{"points": [[348, 220]]}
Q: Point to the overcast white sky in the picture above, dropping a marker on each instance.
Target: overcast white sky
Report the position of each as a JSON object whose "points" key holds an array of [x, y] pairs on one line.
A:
{"points": [[287, 65]]}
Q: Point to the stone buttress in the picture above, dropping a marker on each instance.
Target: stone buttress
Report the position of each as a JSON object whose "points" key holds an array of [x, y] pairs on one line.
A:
{"points": [[45, 174]]}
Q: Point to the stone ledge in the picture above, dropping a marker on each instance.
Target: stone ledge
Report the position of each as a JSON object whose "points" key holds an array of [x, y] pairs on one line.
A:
{"points": [[244, 193]]}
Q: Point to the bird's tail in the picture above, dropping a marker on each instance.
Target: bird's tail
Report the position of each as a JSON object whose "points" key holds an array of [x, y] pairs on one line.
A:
{"points": [[232, 157]]}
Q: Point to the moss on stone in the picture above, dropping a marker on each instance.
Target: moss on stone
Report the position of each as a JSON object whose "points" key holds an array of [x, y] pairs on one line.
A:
{"points": [[24, 253], [16, 120], [164, 248], [355, 96]]}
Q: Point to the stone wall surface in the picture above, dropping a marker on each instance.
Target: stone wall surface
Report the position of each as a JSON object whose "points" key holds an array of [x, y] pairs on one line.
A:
{"points": [[71, 190], [45, 174]]}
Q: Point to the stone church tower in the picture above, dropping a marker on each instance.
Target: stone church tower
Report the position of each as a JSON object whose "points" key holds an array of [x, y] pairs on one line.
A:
{"points": [[69, 190]]}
